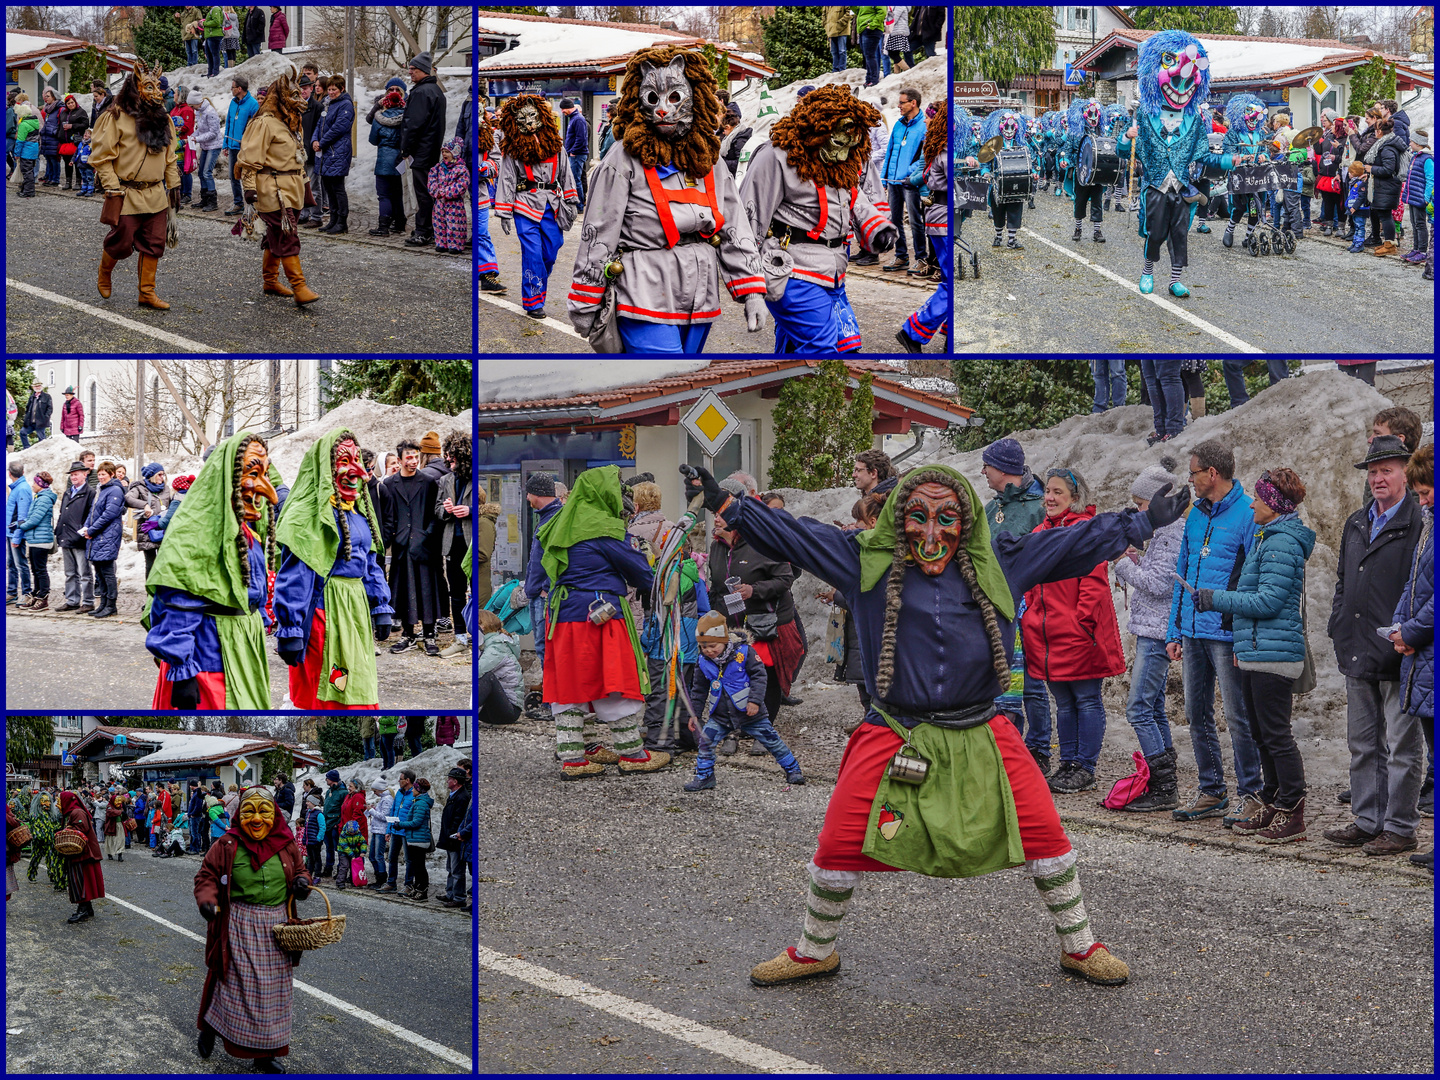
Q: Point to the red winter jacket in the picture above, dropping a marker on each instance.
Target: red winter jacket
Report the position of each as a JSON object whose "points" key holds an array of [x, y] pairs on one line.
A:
{"points": [[1069, 628], [353, 809]]}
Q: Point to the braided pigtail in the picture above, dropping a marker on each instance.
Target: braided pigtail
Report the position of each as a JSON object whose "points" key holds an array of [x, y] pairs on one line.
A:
{"points": [[987, 609], [270, 519], [242, 547], [885, 669]]}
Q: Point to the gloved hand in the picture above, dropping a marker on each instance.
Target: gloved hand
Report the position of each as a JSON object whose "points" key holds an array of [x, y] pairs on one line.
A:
{"points": [[208, 911], [301, 888], [1166, 507], [505, 225], [715, 495], [292, 650], [755, 312], [250, 196], [185, 694], [1204, 599]]}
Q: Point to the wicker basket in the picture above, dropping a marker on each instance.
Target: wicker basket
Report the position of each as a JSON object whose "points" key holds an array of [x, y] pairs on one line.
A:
{"points": [[18, 836], [298, 935], [70, 841]]}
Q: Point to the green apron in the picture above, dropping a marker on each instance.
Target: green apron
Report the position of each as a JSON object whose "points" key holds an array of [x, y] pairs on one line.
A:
{"points": [[242, 656], [961, 821], [348, 646]]}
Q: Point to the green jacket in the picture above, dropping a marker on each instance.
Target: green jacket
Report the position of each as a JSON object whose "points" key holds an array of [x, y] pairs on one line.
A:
{"points": [[333, 798], [367, 727], [837, 21], [388, 725], [869, 18], [214, 23]]}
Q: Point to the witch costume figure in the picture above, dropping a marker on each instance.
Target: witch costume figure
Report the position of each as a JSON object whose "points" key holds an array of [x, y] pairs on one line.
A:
{"points": [[1174, 78], [243, 888], [330, 592], [132, 150], [923, 325], [935, 780], [663, 226], [208, 588], [43, 826], [83, 876]]}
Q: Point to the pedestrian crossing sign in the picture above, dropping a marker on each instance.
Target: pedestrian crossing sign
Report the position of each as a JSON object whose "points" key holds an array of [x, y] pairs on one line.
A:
{"points": [[710, 423]]}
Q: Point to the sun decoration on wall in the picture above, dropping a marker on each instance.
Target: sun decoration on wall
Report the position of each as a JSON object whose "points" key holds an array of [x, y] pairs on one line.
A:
{"points": [[627, 442]]}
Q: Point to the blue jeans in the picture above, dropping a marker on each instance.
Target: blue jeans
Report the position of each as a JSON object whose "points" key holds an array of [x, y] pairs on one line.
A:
{"points": [[758, 728], [187, 184], [212, 57], [884, 60], [870, 47], [34, 433], [577, 170], [236, 191], [205, 166], [1167, 393], [1202, 662], [839, 46], [1146, 708], [378, 854], [192, 52], [1109, 376], [18, 560], [1037, 715], [538, 623], [368, 747], [1233, 369], [1079, 720], [397, 846], [904, 198]]}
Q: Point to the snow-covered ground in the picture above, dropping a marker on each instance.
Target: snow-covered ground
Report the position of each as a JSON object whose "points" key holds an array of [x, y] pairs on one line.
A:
{"points": [[552, 43]]}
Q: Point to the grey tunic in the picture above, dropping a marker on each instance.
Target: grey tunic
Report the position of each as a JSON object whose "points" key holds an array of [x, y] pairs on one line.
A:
{"points": [[773, 191], [937, 179], [675, 286], [510, 200]]}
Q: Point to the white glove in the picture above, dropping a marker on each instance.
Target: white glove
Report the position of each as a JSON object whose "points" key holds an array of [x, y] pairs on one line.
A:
{"points": [[754, 312], [505, 225]]}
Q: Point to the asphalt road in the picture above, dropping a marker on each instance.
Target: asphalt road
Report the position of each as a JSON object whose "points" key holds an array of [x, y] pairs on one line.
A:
{"points": [[1041, 300], [1240, 962], [376, 297], [64, 661], [120, 992], [882, 305]]}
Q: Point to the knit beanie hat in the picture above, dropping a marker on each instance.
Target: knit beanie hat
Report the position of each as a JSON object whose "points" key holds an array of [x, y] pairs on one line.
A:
{"points": [[541, 485], [333, 774], [422, 61], [182, 483], [430, 444], [712, 628], [150, 470], [1007, 455], [194, 99], [1149, 483]]}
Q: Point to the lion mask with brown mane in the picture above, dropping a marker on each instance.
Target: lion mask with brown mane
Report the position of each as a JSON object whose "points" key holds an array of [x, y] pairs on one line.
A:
{"points": [[526, 133], [651, 82], [282, 99], [826, 137]]}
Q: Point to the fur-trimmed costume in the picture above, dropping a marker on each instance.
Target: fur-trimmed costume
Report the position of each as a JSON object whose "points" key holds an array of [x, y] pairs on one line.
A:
{"points": [[271, 166], [132, 150], [805, 203], [535, 189], [932, 317], [1007, 214], [662, 221]]}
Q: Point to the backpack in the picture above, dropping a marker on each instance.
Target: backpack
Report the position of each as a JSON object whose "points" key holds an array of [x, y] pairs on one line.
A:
{"points": [[1127, 789]]}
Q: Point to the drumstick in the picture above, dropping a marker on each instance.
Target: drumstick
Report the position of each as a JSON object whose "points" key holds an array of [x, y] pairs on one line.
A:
{"points": [[1130, 184]]}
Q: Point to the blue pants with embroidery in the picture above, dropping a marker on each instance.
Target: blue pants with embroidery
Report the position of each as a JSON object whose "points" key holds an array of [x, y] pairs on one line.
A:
{"points": [[849, 340], [484, 246], [807, 322], [655, 338], [758, 728], [540, 242], [923, 325]]}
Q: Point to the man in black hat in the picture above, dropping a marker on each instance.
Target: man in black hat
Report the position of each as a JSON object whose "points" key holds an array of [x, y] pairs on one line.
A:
{"points": [[421, 133], [577, 144], [74, 509], [456, 851], [35, 420], [1377, 547]]}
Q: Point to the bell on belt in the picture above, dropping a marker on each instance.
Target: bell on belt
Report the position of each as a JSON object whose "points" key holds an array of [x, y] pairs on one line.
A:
{"points": [[908, 766]]}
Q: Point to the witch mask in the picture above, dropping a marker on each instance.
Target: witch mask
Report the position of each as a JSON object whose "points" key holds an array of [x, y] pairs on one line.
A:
{"points": [[257, 816], [255, 489], [349, 471], [667, 100], [932, 526]]}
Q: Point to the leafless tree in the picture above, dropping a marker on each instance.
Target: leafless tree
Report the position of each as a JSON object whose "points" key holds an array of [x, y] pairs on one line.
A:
{"points": [[34, 17], [420, 28]]}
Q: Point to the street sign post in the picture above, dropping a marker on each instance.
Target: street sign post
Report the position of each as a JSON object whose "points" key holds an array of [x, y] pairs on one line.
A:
{"points": [[1074, 76], [67, 759], [241, 766], [710, 423]]}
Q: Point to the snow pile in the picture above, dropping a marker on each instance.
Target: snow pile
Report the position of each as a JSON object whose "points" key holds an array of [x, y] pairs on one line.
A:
{"points": [[529, 380], [1239, 59], [380, 428], [189, 747], [551, 43], [1316, 424], [20, 44], [54, 455]]}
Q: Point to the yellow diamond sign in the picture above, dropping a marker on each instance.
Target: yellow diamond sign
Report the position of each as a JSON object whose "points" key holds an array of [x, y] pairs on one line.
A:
{"points": [[46, 68], [1319, 86], [241, 766], [710, 423]]}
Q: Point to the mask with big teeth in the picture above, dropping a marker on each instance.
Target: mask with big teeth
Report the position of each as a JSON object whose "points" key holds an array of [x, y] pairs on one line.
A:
{"points": [[1009, 127], [666, 99], [1254, 117], [349, 471], [932, 527], [1179, 75], [841, 142], [1092, 115], [255, 488], [528, 118]]}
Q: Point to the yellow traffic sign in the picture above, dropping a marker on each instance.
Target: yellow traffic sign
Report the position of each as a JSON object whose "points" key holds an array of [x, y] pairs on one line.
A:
{"points": [[1319, 86], [241, 766], [710, 423], [46, 68]]}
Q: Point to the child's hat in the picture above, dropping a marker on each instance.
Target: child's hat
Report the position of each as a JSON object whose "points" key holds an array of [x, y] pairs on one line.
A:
{"points": [[711, 627]]}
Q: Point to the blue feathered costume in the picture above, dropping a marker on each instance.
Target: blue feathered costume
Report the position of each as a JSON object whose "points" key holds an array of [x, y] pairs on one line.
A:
{"points": [[1174, 78], [1012, 126], [1085, 118], [1245, 120]]}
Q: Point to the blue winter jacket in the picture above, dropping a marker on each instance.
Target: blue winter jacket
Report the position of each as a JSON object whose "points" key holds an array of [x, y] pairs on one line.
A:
{"points": [[414, 823], [104, 523], [39, 524], [17, 507], [237, 118], [1266, 602], [1215, 540], [386, 137], [906, 138], [1416, 615], [333, 135], [536, 582], [400, 808]]}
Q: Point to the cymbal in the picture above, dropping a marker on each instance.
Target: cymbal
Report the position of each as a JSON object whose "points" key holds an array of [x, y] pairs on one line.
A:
{"points": [[989, 148], [1307, 137]]}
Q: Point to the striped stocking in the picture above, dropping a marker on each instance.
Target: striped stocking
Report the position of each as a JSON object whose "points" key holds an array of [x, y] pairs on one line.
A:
{"points": [[1059, 886], [830, 892], [625, 737], [569, 723]]}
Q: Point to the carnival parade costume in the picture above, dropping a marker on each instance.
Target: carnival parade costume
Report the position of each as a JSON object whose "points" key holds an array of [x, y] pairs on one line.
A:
{"points": [[486, 170], [535, 189], [208, 588], [1245, 116], [934, 604], [802, 194], [1006, 212], [921, 326], [330, 591], [1085, 120], [664, 228], [132, 150]]}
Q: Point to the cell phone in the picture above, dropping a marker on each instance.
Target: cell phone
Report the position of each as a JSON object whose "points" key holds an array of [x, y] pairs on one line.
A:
{"points": [[1188, 587]]}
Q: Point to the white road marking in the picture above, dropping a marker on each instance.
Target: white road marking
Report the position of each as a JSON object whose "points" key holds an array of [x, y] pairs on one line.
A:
{"points": [[1155, 298], [677, 1027], [509, 305], [109, 316], [387, 1026]]}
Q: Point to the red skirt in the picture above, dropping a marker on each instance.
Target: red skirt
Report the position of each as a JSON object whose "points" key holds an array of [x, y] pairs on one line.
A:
{"points": [[211, 686], [867, 755], [85, 879], [585, 662], [305, 677]]}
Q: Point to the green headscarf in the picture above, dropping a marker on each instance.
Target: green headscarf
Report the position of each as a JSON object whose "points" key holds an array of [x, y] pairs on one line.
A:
{"points": [[593, 509], [199, 553], [877, 547], [308, 527]]}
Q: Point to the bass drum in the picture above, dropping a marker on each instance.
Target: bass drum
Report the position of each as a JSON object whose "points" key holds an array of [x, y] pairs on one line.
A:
{"points": [[1012, 178], [1216, 143], [1099, 161]]}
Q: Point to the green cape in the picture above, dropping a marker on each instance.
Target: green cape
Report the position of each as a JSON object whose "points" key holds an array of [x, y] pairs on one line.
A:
{"points": [[198, 555], [593, 509], [308, 528], [877, 547]]}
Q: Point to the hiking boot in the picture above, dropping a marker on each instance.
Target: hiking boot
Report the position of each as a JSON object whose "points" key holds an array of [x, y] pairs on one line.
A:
{"points": [[898, 264], [1350, 836], [602, 754], [1389, 843], [1162, 793], [920, 269], [490, 282], [432, 647], [1284, 825], [1097, 236], [1072, 779], [795, 778], [650, 763], [1427, 797], [1248, 808], [1098, 966], [405, 642], [1042, 761], [1079, 231], [789, 966], [580, 769], [702, 783], [1204, 805], [1253, 825]]}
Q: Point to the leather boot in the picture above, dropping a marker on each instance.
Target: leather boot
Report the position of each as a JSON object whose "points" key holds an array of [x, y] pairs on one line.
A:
{"points": [[1162, 793], [107, 264], [382, 227], [148, 263], [303, 293], [270, 271]]}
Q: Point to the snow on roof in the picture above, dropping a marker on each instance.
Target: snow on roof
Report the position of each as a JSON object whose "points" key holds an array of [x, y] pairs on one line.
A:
{"points": [[1243, 59], [190, 747], [530, 380], [551, 43], [21, 44]]}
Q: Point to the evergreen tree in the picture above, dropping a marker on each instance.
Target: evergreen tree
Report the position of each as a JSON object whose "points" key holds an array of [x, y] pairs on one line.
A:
{"points": [[1197, 20], [1374, 81], [439, 385], [795, 44], [158, 38], [84, 68], [19, 374], [280, 762], [817, 432], [1015, 395], [340, 742], [28, 739], [1000, 43]]}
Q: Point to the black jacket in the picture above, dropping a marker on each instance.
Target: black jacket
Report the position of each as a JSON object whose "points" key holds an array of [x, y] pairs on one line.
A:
{"points": [[254, 34], [463, 128], [285, 799], [1386, 175], [770, 579], [737, 144], [451, 817], [926, 24], [73, 512], [96, 110], [38, 411], [1370, 579], [423, 131], [308, 119], [408, 509]]}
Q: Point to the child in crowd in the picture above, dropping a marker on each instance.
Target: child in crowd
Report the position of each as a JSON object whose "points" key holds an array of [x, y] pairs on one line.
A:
{"points": [[1420, 195], [312, 833], [350, 847], [82, 164], [694, 601], [450, 186]]}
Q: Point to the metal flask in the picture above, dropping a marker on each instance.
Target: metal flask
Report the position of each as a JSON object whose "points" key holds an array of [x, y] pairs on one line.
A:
{"points": [[602, 611], [908, 766]]}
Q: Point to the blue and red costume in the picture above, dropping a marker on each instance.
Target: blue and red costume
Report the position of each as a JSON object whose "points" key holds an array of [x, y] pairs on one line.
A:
{"points": [[585, 662]]}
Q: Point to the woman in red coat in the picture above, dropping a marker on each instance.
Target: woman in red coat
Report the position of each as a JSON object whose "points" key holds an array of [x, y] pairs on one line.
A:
{"points": [[86, 880], [353, 808], [1072, 641]]}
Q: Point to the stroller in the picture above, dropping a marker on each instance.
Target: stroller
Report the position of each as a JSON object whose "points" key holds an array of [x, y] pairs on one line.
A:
{"points": [[1274, 177], [969, 196]]}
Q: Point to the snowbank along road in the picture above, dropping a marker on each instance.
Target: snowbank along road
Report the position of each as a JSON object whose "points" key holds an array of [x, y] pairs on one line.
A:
{"points": [[392, 996], [1063, 295]]}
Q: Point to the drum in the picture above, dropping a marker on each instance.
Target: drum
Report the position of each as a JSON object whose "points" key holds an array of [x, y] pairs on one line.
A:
{"points": [[1099, 161], [1012, 177], [1216, 143]]}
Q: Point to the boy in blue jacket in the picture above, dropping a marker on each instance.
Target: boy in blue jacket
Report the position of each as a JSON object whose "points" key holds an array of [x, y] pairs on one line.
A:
{"points": [[729, 679]]}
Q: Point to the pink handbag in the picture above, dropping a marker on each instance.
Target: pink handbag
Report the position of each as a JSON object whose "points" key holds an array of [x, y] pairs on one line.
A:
{"points": [[1130, 788], [357, 871], [188, 163]]}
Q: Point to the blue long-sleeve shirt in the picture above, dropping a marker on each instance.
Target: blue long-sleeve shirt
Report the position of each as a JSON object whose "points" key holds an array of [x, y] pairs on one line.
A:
{"points": [[300, 591], [182, 625], [942, 653]]}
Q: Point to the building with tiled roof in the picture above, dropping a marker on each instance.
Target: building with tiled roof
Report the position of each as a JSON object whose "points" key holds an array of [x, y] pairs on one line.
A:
{"points": [[166, 754], [39, 60]]}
